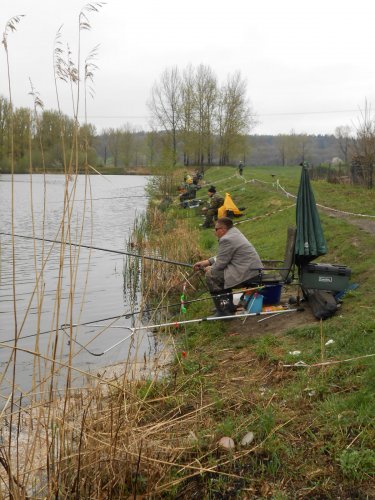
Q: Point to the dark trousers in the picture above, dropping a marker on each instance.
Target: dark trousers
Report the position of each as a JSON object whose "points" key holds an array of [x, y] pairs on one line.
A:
{"points": [[223, 297]]}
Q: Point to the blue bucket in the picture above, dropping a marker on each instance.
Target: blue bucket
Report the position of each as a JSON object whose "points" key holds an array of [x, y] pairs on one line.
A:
{"points": [[271, 295]]}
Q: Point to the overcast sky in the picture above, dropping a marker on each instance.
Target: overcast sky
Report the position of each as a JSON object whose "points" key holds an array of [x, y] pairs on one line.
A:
{"points": [[309, 66]]}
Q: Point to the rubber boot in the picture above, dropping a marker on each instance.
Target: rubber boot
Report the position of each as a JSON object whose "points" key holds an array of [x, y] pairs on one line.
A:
{"points": [[230, 305], [224, 306], [219, 307]]}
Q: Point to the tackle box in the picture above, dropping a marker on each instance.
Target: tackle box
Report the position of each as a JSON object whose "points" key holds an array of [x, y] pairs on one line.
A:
{"points": [[330, 277]]}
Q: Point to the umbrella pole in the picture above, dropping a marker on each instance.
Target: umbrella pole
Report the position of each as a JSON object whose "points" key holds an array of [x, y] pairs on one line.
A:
{"points": [[299, 288], [299, 296]]}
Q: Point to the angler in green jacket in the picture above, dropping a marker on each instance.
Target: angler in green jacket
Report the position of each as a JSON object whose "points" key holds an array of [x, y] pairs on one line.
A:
{"points": [[215, 202]]}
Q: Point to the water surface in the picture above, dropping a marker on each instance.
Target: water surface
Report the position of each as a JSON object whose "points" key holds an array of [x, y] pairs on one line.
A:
{"points": [[99, 292]]}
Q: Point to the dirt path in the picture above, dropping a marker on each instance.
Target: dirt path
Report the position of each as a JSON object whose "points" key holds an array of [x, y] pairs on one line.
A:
{"points": [[367, 225]]}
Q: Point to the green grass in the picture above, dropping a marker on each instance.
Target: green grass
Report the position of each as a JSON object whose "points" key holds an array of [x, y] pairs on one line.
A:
{"points": [[314, 429]]}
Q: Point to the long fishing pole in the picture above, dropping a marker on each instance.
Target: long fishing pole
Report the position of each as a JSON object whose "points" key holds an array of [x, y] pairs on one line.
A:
{"points": [[109, 250], [176, 324], [142, 311], [109, 198], [139, 256]]}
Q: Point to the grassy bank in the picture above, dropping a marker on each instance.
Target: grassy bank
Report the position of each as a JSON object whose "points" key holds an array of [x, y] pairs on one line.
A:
{"points": [[310, 429], [313, 427]]}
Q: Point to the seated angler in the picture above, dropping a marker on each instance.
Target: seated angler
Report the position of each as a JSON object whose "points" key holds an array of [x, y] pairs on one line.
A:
{"points": [[237, 264], [215, 202]]}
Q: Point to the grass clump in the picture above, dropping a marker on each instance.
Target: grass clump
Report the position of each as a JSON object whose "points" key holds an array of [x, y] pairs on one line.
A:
{"points": [[357, 464]]}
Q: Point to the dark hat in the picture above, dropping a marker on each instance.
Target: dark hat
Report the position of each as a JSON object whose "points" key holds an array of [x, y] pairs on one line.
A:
{"points": [[212, 189]]}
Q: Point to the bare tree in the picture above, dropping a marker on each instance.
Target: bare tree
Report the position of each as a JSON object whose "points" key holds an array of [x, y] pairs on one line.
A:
{"points": [[234, 118], [127, 144], [114, 144], [187, 114], [151, 147], [343, 135], [165, 106], [282, 145], [205, 94], [303, 146], [362, 168], [195, 115]]}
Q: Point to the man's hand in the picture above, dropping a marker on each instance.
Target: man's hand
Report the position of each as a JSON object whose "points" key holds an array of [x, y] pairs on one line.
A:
{"points": [[201, 265]]}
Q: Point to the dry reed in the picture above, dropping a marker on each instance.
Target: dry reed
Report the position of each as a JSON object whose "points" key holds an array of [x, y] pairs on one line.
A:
{"points": [[111, 437]]}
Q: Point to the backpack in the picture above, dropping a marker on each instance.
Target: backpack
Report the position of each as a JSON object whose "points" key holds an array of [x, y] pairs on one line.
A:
{"points": [[323, 304]]}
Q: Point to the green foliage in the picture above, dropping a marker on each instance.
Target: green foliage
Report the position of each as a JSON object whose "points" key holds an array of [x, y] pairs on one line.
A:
{"points": [[49, 137], [266, 421], [226, 428], [263, 348], [357, 464], [207, 240], [356, 408], [147, 390]]}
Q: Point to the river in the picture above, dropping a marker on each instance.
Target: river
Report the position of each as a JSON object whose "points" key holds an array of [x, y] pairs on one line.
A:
{"points": [[99, 292]]}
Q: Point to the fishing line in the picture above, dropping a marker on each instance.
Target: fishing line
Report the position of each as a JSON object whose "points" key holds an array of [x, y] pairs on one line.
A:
{"points": [[139, 256]]}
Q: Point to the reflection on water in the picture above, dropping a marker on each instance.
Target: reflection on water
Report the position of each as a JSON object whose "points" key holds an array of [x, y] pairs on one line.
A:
{"points": [[96, 281]]}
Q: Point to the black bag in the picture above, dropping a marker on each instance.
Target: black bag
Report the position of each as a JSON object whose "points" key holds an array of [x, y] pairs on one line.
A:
{"points": [[323, 304]]}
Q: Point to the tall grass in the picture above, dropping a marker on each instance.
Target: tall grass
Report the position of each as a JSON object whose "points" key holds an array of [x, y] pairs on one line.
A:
{"points": [[107, 435]]}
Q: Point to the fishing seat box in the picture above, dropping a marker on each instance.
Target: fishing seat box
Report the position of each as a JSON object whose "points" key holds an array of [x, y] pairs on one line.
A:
{"points": [[331, 277]]}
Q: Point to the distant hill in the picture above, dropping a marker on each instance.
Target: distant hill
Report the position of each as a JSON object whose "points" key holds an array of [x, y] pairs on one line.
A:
{"points": [[268, 149]]}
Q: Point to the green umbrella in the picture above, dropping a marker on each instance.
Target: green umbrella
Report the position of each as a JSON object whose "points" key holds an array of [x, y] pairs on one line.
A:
{"points": [[310, 241]]}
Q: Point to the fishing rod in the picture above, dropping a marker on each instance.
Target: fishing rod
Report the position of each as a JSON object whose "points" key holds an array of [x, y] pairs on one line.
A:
{"points": [[109, 198], [141, 311], [139, 256], [176, 324]]}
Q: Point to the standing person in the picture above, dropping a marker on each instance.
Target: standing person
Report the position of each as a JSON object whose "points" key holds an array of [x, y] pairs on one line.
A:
{"points": [[240, 168], [237, 264], [216, 201]]}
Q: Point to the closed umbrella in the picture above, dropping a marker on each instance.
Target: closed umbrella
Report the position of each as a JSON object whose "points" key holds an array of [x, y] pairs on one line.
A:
{"points": [[310, 241]]}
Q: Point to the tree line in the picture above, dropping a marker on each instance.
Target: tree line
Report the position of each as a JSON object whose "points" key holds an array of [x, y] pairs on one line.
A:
{"points": [[49, 136], [195, 121]]}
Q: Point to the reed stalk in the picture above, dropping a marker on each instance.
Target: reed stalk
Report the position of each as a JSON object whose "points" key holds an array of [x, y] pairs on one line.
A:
{"points": [[111, 436]]}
